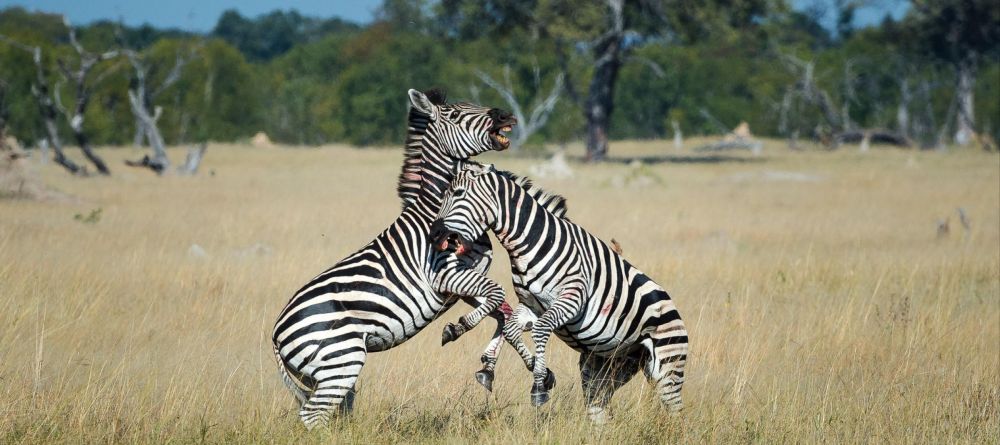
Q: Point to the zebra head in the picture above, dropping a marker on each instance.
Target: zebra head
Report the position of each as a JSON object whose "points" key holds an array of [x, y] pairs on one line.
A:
{"points": [[469, 207], [463, 130]]}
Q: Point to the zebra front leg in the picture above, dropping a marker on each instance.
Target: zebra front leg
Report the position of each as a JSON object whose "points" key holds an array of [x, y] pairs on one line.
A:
{"points": [[563, 310], [511, 324], [467, 283], [492, 352]]}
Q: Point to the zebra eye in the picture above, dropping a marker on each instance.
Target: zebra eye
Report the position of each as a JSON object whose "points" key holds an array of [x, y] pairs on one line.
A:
{"points": [[458, 193]]}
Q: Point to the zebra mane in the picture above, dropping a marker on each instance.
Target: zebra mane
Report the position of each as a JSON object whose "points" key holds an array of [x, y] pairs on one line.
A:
{"points": [[408, 186], [553, 203], [410, 178]]}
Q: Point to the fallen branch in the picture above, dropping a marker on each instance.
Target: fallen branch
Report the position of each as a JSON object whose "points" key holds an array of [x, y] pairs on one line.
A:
{"points": [[190, 166], [754, 146], [874, 136]]}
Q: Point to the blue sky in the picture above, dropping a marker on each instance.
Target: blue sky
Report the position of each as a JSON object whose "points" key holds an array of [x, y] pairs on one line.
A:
{"points": [[196, 15], [201, 15]]}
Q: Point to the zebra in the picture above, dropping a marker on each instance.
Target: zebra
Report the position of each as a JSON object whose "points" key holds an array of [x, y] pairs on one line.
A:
{"points": [[571, 283], [386, 292]]}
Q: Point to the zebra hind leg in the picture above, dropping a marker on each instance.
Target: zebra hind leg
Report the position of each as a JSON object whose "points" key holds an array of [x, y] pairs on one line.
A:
{"points": [[665, 369], [601, 377], [335, 370]]}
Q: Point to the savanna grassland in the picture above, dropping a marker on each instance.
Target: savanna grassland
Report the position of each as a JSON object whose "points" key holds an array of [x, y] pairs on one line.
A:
{"points": [[821, 302]]}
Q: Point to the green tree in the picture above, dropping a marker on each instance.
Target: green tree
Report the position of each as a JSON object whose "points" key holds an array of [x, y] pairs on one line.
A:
{"points": [[609, 32], [964, 34]]}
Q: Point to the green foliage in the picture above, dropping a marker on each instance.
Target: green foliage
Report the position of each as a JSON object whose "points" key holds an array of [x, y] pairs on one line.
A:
{"points": [[90, 218], [275, 33], [706, 65], [371, 93]]}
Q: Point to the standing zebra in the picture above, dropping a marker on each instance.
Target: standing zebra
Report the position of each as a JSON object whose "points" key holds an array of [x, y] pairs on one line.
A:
{"points": [[576, 285], [396, 285]]}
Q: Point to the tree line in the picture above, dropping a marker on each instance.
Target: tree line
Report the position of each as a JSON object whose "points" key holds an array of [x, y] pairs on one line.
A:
{"points": [[593, 71]]}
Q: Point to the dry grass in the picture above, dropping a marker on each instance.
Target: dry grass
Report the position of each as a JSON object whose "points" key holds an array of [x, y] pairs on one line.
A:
{"points": [[821, 304]]}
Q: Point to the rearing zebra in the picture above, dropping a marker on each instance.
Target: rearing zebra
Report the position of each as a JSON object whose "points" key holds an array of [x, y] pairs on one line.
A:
{"points": [[389, 290], [598, 303]]}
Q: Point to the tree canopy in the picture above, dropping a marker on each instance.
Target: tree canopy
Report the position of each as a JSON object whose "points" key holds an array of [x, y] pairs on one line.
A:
{"points": [[705, 65]]}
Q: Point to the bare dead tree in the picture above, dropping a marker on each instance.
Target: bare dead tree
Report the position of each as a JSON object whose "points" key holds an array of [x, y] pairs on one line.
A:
{"points": [[141, 96], [966, 122], [193, 160], [78, 76], [850, 96], [47, 106], [539, 113], [842, 128], [4, 115], [4, 112], [903, 108], [678, 136], [805, 87]]}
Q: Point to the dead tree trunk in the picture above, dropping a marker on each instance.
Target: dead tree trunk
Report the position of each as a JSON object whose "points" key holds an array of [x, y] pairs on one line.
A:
{"points": [[46, 107], [193, 160], [600, 97], [965, 118], [159, 162], [140, 97], [4, 113], [79, 77], [903, 110]]}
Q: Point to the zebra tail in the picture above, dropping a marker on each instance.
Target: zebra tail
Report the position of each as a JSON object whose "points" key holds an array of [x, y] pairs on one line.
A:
{"points": [[298, 388]]}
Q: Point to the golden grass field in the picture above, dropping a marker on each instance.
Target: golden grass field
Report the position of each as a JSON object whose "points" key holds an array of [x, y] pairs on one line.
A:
{"points": [[821, 304]]}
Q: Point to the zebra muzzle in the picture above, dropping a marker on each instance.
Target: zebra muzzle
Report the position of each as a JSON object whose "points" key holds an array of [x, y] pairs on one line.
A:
{"points": [[443, 239]]}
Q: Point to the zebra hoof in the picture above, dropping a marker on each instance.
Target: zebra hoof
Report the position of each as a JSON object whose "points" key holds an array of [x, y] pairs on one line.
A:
{"points": [[539, 398], [550, 380], [485, 378], [451, 333]]}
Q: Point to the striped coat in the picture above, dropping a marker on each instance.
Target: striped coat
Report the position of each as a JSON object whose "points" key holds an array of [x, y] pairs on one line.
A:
{"points": [[390, 289], [572, 284]]}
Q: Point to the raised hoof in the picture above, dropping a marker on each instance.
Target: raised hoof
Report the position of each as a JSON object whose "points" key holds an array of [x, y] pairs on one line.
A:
{"points": [[485, 378], [450, 333], [550, 380], [539, 398]]}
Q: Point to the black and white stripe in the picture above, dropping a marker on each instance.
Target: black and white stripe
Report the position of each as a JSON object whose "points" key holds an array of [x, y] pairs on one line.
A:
{"points": [[573, 284], [385, 293]]}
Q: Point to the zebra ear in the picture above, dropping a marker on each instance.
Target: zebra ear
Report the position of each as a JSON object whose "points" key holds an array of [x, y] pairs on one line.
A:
{"points": [[421, 102], [485, 168]]}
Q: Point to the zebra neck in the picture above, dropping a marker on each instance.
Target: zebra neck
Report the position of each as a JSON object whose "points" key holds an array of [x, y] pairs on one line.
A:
{"points": [[436, 174], [521, 222], [427, 168]]}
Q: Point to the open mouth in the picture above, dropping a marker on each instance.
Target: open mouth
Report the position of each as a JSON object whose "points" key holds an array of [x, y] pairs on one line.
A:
{"points": [[452, 242], [500, 135]]}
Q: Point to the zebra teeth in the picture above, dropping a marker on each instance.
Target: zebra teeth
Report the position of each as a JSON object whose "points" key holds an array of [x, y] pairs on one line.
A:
{"points": [[507, 128]]}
